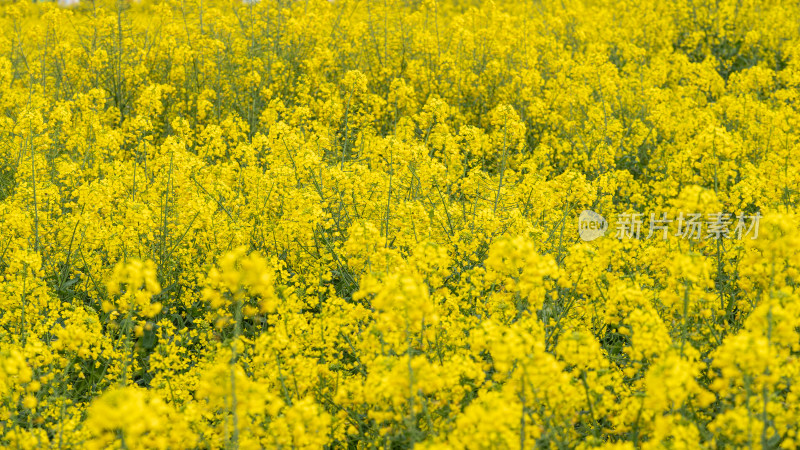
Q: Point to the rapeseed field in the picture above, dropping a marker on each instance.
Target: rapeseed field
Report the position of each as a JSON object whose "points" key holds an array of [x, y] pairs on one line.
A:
{"points": [[399, 224]]}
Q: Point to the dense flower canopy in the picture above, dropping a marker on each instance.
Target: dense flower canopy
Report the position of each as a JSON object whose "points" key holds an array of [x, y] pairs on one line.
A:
{"points": [[355, 224]]}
